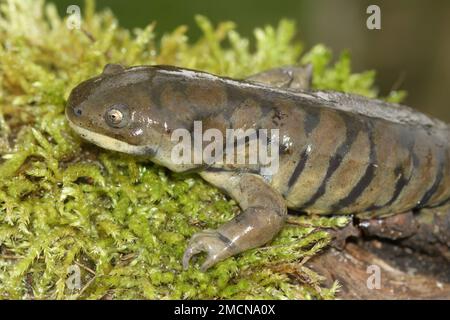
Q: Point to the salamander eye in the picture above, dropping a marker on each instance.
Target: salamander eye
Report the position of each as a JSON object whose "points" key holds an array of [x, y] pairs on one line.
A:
{"points": [[117, 116]]}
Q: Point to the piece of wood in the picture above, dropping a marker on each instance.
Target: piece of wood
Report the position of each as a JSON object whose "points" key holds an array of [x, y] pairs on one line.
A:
{"points": [[350, 268]]}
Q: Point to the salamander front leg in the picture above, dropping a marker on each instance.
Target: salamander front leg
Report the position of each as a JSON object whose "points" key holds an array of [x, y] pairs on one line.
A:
{"points": [[263, 215]]}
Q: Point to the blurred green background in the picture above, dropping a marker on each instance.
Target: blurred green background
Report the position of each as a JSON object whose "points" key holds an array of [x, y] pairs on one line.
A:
{"points": [[410, 52]]}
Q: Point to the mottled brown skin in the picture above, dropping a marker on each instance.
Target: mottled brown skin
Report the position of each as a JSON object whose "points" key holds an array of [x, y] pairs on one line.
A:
{"points": [[339, 154]]}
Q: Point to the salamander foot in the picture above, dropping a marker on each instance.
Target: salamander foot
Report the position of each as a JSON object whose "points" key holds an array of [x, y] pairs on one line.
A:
{"points": [[217, 247]]}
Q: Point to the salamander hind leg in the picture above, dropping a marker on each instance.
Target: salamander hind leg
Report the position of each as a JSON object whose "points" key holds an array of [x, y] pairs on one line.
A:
{"points": [[288, 77], [262, 217]]}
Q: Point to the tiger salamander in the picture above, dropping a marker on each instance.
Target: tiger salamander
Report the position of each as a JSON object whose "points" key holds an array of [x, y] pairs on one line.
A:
{"points": [[338, 153]]}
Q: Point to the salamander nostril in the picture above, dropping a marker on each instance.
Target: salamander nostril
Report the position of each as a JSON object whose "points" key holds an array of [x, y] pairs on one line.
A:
{"points": [[78, 111]]}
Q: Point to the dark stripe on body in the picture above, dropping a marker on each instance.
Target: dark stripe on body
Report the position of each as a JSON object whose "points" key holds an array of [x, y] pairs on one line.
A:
{"points": [[402, 182], [312, 119], [245, 140], [430, 192], [407, 141], [310, 122], [352, 130], [367, 177], [235, 98], [298, 169]]}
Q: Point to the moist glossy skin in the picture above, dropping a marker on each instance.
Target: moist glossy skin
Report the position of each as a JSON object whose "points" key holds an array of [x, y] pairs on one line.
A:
{"points": [[339, 154]]}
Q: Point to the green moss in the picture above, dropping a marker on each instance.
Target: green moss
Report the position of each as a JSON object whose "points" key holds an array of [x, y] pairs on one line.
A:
{"points": [[123, 221]]}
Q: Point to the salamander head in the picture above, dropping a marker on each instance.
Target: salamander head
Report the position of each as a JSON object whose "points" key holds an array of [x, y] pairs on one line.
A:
{"points": [[115, 111]]}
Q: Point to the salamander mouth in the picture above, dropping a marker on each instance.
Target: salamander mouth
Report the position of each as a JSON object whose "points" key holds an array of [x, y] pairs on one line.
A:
{"points": [[109, 143]]}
